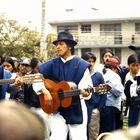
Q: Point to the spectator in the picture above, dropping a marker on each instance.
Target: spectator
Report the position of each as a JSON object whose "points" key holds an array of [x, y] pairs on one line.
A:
{"points": [[131, 84], [110, 112], [24, 93], [4, 74], [8, 64], [18, 87], [97, 101], [33, 98], [129, 134], [18, 123]]}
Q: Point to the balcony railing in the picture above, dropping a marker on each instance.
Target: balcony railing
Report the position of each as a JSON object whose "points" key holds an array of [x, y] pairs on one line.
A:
{"points": [[106, 41]]}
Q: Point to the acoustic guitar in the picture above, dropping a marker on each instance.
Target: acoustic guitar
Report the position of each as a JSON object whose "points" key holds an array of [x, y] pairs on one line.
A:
{"points": [[63, 92], [27, 79]]}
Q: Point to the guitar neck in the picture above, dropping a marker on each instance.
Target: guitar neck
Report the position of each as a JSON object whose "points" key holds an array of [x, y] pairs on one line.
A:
{"points": [[100, 89], [27, 79], [7, 81], [76, 92]]}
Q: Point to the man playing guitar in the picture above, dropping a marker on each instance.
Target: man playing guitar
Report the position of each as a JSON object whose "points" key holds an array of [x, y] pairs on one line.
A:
{"points": [[70, 120]]}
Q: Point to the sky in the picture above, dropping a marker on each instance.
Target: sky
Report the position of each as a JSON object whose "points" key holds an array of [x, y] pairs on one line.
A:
{"points": [[105, 9], [23, 11], [28, 12]]}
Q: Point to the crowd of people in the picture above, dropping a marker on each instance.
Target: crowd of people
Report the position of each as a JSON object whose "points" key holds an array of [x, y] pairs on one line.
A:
{"points": [[60, 91]]}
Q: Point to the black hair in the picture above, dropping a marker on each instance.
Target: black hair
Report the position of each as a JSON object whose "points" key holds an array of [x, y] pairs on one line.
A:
{"points": [[88, 55], [106, 51], [34, 62], [110, 66], [133, 58], [69, 44], [9, 60]]}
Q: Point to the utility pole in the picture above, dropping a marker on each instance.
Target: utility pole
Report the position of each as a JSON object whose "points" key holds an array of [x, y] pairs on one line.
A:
{"points": [[43, 45]]}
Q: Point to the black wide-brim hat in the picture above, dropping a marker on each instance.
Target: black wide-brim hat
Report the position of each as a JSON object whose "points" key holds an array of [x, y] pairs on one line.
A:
{"points": [[65, 36], [135, 49]]}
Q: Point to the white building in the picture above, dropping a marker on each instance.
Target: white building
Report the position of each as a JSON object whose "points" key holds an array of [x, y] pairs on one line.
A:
{"points": [[94, 32]]}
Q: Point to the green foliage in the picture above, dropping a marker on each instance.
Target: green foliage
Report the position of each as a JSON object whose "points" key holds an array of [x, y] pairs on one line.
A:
{"points": [[50, 47], [125, 122], [16, 40]]}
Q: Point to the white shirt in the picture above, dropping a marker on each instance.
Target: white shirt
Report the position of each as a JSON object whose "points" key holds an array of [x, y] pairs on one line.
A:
{"points": [[133, 86]]}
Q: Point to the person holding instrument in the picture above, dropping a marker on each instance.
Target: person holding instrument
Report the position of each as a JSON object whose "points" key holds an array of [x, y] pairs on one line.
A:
{"points": [[71, 120]]}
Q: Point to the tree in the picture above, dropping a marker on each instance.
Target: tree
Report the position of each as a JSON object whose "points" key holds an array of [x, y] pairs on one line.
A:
{"points": [[50, 47], [17, 40]]}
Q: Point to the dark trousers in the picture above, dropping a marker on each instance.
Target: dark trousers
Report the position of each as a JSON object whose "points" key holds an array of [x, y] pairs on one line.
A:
{"points": [[119, 118], [108, 119], [134, 114]]}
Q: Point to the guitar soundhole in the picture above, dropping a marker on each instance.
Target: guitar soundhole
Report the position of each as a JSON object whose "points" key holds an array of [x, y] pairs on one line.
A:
{"points": [[60, 94]]}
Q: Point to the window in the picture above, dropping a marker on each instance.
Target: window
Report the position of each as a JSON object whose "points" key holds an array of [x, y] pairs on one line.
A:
{"points": [[137, 28], [86, 28], [110, 29], [117, 52], [85, 50], [73, 29], [70, 28], [118, 39]]}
